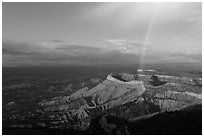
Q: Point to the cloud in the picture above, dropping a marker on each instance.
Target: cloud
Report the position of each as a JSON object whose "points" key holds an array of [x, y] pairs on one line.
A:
{"points": [[124, 42], [78, 49], [62, 54], [18, 48], [194, 55], [128, 46], [18, 54]]}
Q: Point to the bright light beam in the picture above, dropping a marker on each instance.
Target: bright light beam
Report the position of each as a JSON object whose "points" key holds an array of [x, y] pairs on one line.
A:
{"points": [[148, 34]]}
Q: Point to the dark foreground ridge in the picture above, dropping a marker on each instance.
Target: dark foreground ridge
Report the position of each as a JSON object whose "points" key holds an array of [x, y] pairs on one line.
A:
{"points": [[184, 122]]}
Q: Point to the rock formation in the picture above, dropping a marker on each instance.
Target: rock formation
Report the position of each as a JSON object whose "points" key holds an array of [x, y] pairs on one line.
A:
{"points": [[128, 96], [112, 92]]}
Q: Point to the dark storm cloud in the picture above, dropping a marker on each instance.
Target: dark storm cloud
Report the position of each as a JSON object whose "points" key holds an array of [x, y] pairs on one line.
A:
{"points": [[18, 48], [57, 41], [114, 57], [10, 49], [74, 48], [16, 53]]}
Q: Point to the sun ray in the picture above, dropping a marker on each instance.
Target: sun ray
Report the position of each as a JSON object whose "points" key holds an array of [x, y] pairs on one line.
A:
{"points": [[147, 35]]}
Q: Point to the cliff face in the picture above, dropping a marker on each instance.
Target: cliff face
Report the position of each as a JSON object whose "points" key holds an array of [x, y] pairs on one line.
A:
{"points": [[172, 100], [126, 96]]}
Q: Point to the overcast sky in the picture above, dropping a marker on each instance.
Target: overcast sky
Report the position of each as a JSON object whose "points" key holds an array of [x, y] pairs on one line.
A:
{"points": [[101, 33]]}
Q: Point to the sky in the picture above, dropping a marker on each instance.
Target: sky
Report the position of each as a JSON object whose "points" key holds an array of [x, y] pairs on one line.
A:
{"points": [[54, 34]]}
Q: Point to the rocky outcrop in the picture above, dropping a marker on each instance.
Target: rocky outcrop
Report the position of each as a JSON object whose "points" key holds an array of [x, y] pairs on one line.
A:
{"points": [[108, 94], [124, 77], [128, 96], [172, 100]]}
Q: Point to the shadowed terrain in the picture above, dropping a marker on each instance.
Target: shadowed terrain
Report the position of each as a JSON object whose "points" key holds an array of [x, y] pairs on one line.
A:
{"points": [[77, 102], [184, 122]]}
